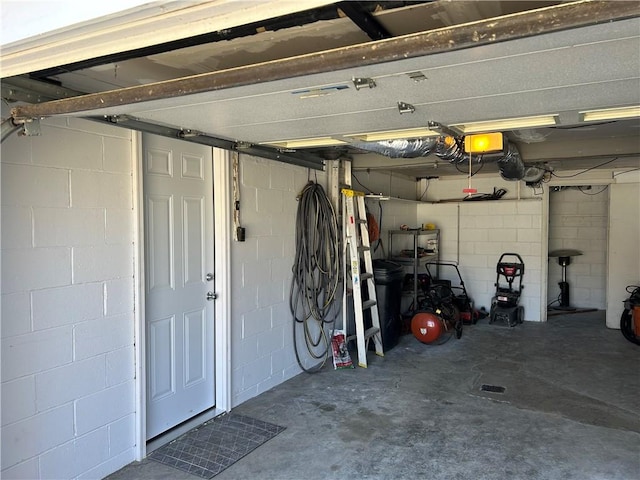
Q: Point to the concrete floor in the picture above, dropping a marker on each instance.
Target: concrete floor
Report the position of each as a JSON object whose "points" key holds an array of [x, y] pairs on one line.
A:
{"points": [[571, 410]]}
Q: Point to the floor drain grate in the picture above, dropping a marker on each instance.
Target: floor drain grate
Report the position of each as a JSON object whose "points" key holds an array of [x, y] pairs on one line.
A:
{"points": [[492, 388]]}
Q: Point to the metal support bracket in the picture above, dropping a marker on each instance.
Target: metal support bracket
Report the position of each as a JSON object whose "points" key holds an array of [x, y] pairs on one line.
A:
{"points": [[364, 83], [31, 128], [405, 108], [438, 127]]}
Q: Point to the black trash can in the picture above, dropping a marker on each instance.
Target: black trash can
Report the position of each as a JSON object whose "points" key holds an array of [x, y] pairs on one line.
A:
{"points": [[389, 277]]}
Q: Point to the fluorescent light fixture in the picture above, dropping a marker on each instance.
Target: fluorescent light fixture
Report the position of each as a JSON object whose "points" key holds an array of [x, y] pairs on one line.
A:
{"points": [[610, 114], [506, 124], [394, 134], [306, 142]]}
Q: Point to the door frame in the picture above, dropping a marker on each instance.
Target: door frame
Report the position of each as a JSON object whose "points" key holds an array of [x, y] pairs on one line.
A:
{"points": [[222, 284]]}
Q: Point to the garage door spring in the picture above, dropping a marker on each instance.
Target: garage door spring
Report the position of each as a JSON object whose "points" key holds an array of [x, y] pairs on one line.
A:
{"points": [[316, 275]]}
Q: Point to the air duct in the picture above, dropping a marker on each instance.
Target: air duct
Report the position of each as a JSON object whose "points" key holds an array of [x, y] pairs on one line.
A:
{"points": [[452, 150], [405, 148], [444, 147], [447, 148], [511, 165]]}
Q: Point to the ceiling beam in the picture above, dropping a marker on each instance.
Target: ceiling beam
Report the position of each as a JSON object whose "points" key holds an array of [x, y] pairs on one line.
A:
{"points": [[25, 89], [520, 25], [364, 20]]}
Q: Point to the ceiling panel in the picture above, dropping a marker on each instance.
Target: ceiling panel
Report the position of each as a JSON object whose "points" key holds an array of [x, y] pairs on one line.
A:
{"points": [[269, 44], [499, 106], [147, 24], [561, 72]]}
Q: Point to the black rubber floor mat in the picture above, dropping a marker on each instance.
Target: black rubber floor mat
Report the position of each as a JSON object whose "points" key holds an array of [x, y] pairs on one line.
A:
{"points": [[217, 444]]}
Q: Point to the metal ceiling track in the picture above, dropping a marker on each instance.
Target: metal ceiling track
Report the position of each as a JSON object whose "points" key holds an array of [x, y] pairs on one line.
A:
{"points": [[293, 158], [28, 90], [509, 27]]}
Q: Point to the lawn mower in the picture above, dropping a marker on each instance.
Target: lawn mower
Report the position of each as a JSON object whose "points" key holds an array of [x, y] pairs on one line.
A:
{"points": [[630, 319], [504, 305], [460, 298], [437, 317]]}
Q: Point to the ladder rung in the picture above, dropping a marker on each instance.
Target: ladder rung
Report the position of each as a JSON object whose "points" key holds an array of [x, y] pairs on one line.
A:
{"points": [[367, 304], [366, 276], [362, 248], [370, 332], [361, 220]]}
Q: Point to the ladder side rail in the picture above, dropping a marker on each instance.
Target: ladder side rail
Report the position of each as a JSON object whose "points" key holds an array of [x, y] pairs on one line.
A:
{"points": [[345, 274], [352, 239], [371, 286], [366, 244]]}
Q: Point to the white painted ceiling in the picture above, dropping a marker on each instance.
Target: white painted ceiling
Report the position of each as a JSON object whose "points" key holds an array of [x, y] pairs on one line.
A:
{"points": [[561, 73]]}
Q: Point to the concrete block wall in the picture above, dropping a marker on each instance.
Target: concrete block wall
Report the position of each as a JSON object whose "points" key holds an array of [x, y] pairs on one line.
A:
{"points": [[67, 302], [476, 234], [392, 213], [578, 219], [623, 259], [448, 188], [384, 183], [262, 354], [489, 229]]}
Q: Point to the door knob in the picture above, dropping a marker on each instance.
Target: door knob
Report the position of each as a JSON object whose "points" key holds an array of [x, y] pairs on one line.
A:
{"points": [[211, 296], [209, 277]]}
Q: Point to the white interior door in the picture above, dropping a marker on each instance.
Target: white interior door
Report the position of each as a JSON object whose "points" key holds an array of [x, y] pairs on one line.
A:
{"points": [[179, 310]]}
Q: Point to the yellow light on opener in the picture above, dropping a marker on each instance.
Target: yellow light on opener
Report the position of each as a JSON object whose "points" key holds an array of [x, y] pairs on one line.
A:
{"points": [[484, 143]]}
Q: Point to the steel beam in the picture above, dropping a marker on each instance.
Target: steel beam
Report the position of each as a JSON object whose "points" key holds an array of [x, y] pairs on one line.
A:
{"points": [[293, 158], [364, 20], [25, 89], [509, 27]]}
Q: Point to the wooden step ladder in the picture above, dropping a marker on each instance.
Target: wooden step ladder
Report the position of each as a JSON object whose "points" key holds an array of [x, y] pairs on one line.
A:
{"points": [[356, 238]]}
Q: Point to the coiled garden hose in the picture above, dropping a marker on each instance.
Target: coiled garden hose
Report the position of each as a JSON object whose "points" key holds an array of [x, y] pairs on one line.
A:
{"points": [[316, 274]]}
